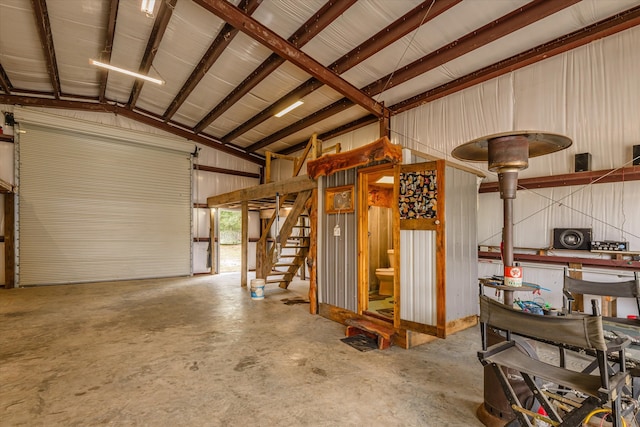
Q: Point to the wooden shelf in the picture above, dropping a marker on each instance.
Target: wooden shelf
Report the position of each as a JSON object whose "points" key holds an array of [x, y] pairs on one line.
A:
{"points": [[552, 259]]}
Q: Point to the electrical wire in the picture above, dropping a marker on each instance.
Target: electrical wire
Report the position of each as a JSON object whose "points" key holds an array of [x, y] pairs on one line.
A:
{"points": [[405, 51], [600, 411]]}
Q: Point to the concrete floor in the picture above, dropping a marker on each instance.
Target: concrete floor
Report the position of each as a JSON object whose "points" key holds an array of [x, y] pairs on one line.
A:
{"points": [[200, 352]]}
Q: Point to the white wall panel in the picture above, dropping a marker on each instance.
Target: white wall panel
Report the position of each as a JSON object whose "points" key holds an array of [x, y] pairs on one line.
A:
{"points": [[98, 203], [418, 276]]}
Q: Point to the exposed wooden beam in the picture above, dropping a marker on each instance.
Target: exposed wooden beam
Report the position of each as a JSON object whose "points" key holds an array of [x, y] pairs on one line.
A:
{"points": [[319, 21], [388, 35], [619, 22], [46, 38], [288, 186], [282, 47], [5, 83], [319, 115], [105, 55], [505, 25], [133, 115], [223, 39], [159, 27], [225, 171], [631, 173]]}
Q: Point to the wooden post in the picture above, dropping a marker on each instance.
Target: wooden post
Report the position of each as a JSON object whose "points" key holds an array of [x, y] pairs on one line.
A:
{"points": [[261, 250], [575, 272], [212, 241], [267, 167], [313, 253], [245, 244], [9, 242]]}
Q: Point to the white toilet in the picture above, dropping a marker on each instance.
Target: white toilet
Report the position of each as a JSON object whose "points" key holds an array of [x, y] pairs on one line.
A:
{"points": [[385, 276]]}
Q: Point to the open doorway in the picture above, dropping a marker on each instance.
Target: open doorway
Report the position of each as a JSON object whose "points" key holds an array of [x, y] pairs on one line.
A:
{"points": [[376, 228], [229, 240]]}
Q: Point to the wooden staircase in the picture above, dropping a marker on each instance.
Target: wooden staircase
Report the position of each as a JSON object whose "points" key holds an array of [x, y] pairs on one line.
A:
{"points": [[288, 251]]}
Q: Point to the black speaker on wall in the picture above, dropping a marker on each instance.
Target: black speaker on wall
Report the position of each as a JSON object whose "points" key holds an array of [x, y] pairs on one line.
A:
{"points": [[636, 155], [583, 162], [576, 239]]}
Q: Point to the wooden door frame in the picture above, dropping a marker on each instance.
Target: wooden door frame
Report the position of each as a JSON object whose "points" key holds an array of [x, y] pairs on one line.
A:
{"points": [[363, 238]]}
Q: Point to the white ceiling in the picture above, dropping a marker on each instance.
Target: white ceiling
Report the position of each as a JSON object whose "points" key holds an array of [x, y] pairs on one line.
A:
{"points": [[79, 31]]}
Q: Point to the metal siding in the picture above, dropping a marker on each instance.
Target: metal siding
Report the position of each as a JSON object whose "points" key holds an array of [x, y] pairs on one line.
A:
{"points": [[338, 263], [462, 247], [418, 276], [93, 208]]}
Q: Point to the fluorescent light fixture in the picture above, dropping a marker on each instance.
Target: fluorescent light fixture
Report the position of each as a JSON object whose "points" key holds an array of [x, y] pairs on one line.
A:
{"points": [[147, 6], [127, 72], [289, 108], [385, 180]]}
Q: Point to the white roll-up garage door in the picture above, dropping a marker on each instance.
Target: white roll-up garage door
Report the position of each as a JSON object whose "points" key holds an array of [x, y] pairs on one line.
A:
{"points": [[100, 203]]}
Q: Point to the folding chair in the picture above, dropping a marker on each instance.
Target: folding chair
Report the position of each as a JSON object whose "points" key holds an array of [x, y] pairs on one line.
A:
{"points": [[627, 289], [577, 333]]}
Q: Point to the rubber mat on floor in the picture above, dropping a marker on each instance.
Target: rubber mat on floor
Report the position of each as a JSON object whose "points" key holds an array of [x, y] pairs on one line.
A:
{"points": [[361, 342]]}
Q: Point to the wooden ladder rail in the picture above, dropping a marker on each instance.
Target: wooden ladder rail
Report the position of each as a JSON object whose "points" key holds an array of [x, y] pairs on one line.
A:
{"points": [[312, 150], [285, 234]]}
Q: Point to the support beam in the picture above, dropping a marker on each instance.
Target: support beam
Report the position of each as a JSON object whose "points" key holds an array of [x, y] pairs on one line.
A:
{"points": [[385, 37], [631, 173], [219, 44], [46, 38], [302, 124], [503, 26], [264, 191], [313, 253], [225, 171], [314, 25], [105, 56], [620, 22], [159, 27], [133, 115], [244, 265], [288, 51], [513, 21]]}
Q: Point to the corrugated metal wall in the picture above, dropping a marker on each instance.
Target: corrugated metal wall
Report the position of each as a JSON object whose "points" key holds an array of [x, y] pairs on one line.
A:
{"points": [[418, 276], [461, 207], [338, 256]]}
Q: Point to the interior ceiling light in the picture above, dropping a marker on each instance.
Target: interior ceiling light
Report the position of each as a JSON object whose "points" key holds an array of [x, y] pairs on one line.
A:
{"points": [[289, 108], [127, 72], [147, 6], [385, 180]]}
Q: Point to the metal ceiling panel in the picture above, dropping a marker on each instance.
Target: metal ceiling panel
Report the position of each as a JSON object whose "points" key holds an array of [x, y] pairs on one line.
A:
{"points": [[85, 25], [22, 57], [78, 30], [439, 32], [355, 26], [571, 19], [241, 57], [132, 33], [189, 34]]}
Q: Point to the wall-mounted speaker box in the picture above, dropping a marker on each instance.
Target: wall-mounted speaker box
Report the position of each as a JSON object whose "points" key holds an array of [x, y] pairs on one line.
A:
{"points": [[576, 239], [636, 155], [583, 162]]}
